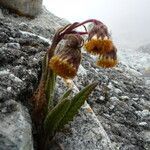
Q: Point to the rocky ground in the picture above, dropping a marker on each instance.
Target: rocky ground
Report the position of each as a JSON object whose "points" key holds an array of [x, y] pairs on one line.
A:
{"points": [[120, 115], [122, 104], [137, 61]]}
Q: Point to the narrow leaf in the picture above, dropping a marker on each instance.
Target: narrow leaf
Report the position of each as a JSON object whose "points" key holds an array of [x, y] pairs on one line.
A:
{"points": [[55, 116], [66, 94], [76, 103], [50, 87]]}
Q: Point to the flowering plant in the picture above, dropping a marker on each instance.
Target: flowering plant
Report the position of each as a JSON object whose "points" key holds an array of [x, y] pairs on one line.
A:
{"points": [[65, 62]]}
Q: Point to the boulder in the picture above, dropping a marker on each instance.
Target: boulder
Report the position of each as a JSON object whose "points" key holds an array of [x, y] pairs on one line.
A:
{"points": [[20, 56], [24, 7], [15, 127]]}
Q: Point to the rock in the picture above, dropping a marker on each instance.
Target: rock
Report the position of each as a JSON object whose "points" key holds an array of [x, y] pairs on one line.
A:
{"points": [[139, 66], [24, 7], [20, 58], [15, 127], [124, 97], [118, 114], [143, 113], [85, 132], [144, 48], [50, 23], [13, 45], [142, 123], [118, 91], [146, 135]]}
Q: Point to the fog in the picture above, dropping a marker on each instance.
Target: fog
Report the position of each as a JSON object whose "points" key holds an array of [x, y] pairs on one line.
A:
{"points": [[128, 20]]}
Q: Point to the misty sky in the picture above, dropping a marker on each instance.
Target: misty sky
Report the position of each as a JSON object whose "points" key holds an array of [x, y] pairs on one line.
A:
{"points": [[128, 20]]}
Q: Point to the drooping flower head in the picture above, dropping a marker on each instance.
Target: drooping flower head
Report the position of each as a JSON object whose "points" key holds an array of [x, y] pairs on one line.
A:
{"points": [[108, 59], [98, 46], [99, 43], [66, 61], [98, 40]]}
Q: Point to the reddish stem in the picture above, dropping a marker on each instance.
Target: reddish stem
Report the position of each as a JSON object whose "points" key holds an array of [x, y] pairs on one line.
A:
{"points": [[76, 32], [67, 30], [76, 24], [88, 21]]}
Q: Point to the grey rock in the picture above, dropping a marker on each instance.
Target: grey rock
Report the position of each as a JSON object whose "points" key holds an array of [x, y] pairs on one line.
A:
{"points": [[142, 123], [15, 127], [124, 97], [13, 45], [20, 59], [144, 48], [146, 135], [118, 113], [118, 91], [50, 23], [143, 113], [24, 7], [85, 131]]}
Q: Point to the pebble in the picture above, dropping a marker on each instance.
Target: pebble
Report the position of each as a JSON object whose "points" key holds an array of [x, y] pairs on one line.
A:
{"points": [[9, 89], [142, 123]]}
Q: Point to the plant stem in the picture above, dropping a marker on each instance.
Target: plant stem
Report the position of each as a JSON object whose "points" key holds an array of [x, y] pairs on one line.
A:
{"points": [[88, 21]]}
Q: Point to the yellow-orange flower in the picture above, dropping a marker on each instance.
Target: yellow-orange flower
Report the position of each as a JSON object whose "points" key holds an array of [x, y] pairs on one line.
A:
{"points": [[62, 67], [66, 62], [108, 60], [98, 46]]}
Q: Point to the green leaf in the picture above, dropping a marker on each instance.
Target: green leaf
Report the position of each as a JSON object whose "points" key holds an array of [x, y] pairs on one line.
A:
{"points": [[66, 94], [55, 116], [76, 103], [50, 88]]}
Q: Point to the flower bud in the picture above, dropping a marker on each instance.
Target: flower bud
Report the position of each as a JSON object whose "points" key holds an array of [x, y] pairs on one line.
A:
{"points": [[65, 62]]}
